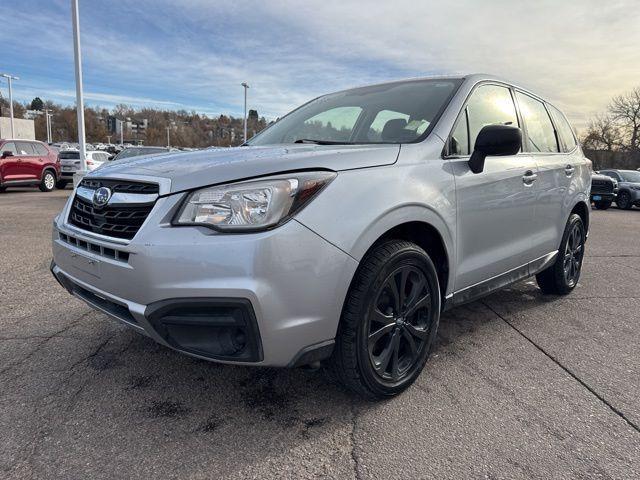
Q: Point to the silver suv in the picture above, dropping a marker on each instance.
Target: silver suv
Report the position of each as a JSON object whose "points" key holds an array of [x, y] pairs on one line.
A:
{"points": [[339, 233]]}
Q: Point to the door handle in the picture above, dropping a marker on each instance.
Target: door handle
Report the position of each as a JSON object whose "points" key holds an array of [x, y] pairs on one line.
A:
{"points": [[568, 170], [529, 177]]}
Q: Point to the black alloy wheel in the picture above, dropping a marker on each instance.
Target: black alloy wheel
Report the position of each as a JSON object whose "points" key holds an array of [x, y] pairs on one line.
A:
{"points": [[573, 253], [399, 323]]}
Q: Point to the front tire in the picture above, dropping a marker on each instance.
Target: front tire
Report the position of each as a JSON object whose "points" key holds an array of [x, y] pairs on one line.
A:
{"points": [[602, 205], [562, 277], [624, 200], [389, 321], [48, 182]]}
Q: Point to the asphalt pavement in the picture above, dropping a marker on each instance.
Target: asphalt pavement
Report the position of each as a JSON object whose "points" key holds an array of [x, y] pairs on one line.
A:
{"points": [[521, 385]]}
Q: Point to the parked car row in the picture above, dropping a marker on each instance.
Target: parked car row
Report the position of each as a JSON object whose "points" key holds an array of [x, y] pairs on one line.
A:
{"points": [[628, 182], [34, 163]]}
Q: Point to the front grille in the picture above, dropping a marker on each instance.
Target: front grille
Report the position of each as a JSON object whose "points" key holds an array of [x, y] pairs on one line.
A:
{"points": [[601, 186], [119, 222], [120, 185]]}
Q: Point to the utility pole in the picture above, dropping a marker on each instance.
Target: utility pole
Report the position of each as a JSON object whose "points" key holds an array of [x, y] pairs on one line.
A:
{"points": [[246, 87], [9, 78], [79, 95], [168, 143], [108, 138]]}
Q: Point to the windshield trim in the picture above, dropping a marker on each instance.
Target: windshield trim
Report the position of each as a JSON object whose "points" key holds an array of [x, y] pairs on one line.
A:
{"points": [[457, 81]]}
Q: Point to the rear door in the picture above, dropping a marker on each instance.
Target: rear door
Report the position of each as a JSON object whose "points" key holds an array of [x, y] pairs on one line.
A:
{"points": [[554, 174], [495, 207], [30, 162]]}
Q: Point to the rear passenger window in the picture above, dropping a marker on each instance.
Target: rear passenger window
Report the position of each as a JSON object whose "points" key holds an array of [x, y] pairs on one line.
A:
{"points": [[567, 138], [540, 132], [490, 105], [25, 148]]}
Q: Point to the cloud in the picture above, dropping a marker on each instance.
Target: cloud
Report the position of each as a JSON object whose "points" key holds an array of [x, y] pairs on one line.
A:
{"points": [[195, 54]]}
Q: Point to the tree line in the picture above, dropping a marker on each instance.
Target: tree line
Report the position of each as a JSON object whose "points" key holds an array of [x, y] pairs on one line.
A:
{"points": [[618, 128], [186, 129]]}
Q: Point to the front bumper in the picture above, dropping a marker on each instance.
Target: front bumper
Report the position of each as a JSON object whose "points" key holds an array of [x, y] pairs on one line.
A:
{"points": [[289, 282]]}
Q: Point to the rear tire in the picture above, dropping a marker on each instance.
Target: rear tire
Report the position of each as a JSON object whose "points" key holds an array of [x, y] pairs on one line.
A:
{"points": [[389, 321], [624, 200], [602, 205], [48, 182], [61, 184], [3, 189], [562, 277]]}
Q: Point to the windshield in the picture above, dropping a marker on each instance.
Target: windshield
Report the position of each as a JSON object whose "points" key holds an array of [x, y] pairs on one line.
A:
{"points": [[135, 152], [630, 176], [391, 113]]}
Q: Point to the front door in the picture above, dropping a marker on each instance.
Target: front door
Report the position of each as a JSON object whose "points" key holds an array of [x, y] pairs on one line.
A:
{"points": [[12, 166], [495, 208]]}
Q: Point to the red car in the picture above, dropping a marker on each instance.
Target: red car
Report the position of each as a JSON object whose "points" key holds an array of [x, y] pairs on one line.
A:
{"points": [[28, 162]]}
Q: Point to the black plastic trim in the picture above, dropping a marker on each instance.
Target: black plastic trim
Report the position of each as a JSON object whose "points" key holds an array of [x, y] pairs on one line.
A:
{"points": [[312, 353], [167, 315]]}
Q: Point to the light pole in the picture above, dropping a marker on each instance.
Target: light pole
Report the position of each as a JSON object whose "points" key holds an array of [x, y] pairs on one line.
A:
{"points": [[9, 78], [246, 87], [79, 97], [48, 117], [121, 131], [168, 144]]}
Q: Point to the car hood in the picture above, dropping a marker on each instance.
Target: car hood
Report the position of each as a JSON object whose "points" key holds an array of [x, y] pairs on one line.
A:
{"points": [[187, 170]]}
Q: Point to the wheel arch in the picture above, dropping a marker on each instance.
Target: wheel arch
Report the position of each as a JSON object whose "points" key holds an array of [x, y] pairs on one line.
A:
{"points": [[420, 225], [582, 209], [51, 169]]}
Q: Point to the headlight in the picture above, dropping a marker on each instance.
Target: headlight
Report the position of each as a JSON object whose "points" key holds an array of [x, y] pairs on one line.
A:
{"points": [[251, 205]]}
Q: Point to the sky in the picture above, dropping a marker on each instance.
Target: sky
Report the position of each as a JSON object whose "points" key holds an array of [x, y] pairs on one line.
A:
{"points": [[194, 54]]}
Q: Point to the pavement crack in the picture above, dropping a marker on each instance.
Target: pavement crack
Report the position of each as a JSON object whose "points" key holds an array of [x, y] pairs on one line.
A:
{"points": [[45, 340], [352, 436], [566, 369]]}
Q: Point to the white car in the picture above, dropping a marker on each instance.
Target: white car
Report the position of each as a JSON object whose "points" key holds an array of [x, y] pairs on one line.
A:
{"points": [[70, 164]]}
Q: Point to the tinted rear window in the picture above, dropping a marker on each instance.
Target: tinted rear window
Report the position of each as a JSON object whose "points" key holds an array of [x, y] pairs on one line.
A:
{"points": [[69, 155], [40, 149]]}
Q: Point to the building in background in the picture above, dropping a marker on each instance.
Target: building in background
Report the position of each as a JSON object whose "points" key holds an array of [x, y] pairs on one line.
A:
{"points": [[23, 128]]}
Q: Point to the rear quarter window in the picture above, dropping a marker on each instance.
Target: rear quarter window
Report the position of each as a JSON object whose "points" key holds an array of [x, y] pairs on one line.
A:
{"points": [[565, 132]]}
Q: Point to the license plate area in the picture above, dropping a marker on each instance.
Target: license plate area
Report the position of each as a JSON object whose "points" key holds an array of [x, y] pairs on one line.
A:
{"points": [[84, 263], [597, 197]]}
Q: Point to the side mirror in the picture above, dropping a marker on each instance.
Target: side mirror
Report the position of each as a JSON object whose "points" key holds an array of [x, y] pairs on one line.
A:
{"points": [[494, 140], [6, 154]]}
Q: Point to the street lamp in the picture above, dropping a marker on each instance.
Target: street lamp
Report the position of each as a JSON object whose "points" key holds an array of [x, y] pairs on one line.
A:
{"points": [[48, 118], [246, 87], [79, 98], [168, 144], [121, 130], [9, 78]]}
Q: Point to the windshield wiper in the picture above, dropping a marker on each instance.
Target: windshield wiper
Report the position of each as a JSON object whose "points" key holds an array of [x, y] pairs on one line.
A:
{"points": [[321, 142]]}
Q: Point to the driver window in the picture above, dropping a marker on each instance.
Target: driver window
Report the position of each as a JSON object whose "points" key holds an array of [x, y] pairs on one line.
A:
{"points": [[9, 147], [490, 105]]}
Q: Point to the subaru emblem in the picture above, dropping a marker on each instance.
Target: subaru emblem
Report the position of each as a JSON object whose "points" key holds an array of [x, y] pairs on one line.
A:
{"points": [[101, 197]]}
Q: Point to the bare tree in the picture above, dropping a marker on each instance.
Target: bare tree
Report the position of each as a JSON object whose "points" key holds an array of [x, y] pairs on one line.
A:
{"points": [[603, 134], [625, 109]]}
